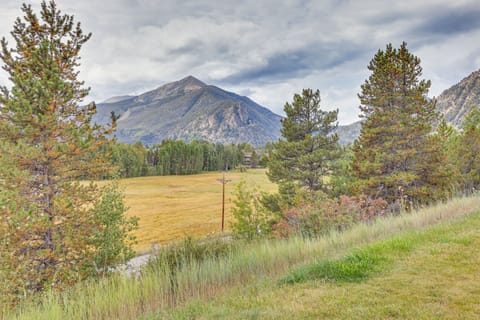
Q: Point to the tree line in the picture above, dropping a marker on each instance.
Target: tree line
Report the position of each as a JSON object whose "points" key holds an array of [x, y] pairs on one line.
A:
{"points": [[176, 157]]}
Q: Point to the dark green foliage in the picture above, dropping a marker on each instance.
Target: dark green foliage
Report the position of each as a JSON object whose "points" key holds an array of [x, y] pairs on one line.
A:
{"points": [[309, 151], [466, 150], [178, 158], [343, 180], [395, 156]]}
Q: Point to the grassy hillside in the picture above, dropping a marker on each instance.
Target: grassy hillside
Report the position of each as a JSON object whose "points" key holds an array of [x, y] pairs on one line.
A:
{"points": [[419, 265], [171, 207], [431, 274]]}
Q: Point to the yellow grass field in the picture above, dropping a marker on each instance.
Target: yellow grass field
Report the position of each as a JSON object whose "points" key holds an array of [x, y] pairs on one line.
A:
{"points": [[172, 207]]}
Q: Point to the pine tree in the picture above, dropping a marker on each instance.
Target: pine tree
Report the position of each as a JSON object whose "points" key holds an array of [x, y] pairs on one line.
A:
{"points": [[47, 216], [467, 151], [309, 150], [394, 157]]}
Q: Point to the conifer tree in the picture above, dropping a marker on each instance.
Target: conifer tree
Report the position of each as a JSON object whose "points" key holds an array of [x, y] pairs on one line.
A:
{"points": [[47, 216], [394, 158], [309, 150], [467, 151]]}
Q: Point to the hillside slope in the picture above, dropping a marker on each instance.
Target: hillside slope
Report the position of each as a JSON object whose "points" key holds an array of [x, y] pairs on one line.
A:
{"points": [[455, 102], [428, 274]]}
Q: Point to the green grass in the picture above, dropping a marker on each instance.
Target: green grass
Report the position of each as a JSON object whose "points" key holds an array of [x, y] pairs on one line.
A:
{"points": [[356, 266], [351, 268], [244, 284]]}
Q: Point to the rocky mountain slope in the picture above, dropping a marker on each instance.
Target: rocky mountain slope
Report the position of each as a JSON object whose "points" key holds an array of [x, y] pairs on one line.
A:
{"points": [[190, 109], [455, 102], [348, 133]]}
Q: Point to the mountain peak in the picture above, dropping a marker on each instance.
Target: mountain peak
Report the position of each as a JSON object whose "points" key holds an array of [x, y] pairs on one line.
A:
{"points": [[192, 80], [189, 109], [189, 83], [177, 88]]}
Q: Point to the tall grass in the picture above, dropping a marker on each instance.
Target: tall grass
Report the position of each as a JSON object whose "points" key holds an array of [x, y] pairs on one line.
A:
{"points": [[157, 288]]}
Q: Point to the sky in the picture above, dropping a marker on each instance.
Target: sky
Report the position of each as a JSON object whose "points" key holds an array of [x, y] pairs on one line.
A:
{"points": [[267, 50]]}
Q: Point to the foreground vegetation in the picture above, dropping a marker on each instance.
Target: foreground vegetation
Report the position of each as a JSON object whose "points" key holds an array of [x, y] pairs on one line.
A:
{"points": [[158, 289], [430, 274]]}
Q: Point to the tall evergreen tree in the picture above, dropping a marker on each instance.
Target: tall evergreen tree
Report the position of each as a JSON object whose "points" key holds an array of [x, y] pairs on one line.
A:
{"points": [[309, 150], [48, 144], [394, 157]]}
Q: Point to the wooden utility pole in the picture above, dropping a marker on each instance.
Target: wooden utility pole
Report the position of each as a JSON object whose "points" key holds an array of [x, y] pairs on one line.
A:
{"points": [[223, 181]]}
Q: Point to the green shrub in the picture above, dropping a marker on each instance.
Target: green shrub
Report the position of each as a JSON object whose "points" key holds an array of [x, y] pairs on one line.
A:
{"points": [[113, 238], [252, 219]]}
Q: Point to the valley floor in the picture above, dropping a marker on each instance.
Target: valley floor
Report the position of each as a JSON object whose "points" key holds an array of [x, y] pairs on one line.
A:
{"points": [[171, 207]]}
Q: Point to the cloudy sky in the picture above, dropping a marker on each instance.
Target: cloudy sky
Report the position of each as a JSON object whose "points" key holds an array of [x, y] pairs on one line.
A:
{"points": [[267, 50]]}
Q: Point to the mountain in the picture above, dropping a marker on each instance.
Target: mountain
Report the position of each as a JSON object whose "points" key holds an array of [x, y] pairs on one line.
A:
{"points": [[455, 102], [187, 110], [348, 133]]}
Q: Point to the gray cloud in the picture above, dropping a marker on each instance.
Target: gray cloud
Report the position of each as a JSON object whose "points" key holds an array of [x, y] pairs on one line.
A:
{"points": [[266, 49], [451, 22]]}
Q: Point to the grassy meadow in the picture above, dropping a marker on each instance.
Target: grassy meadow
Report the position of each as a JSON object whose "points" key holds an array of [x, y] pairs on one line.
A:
{"points": [[420, 265], [172, 207]]}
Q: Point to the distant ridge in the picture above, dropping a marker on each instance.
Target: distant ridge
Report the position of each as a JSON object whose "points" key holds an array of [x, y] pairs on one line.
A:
{"points": [[189, 109], [117, 99], [348, 133], [455, 102]]}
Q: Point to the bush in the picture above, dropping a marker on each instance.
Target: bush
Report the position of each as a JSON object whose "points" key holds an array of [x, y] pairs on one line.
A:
{"points": [[252, 218], [112, 239], [319, 216]]}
